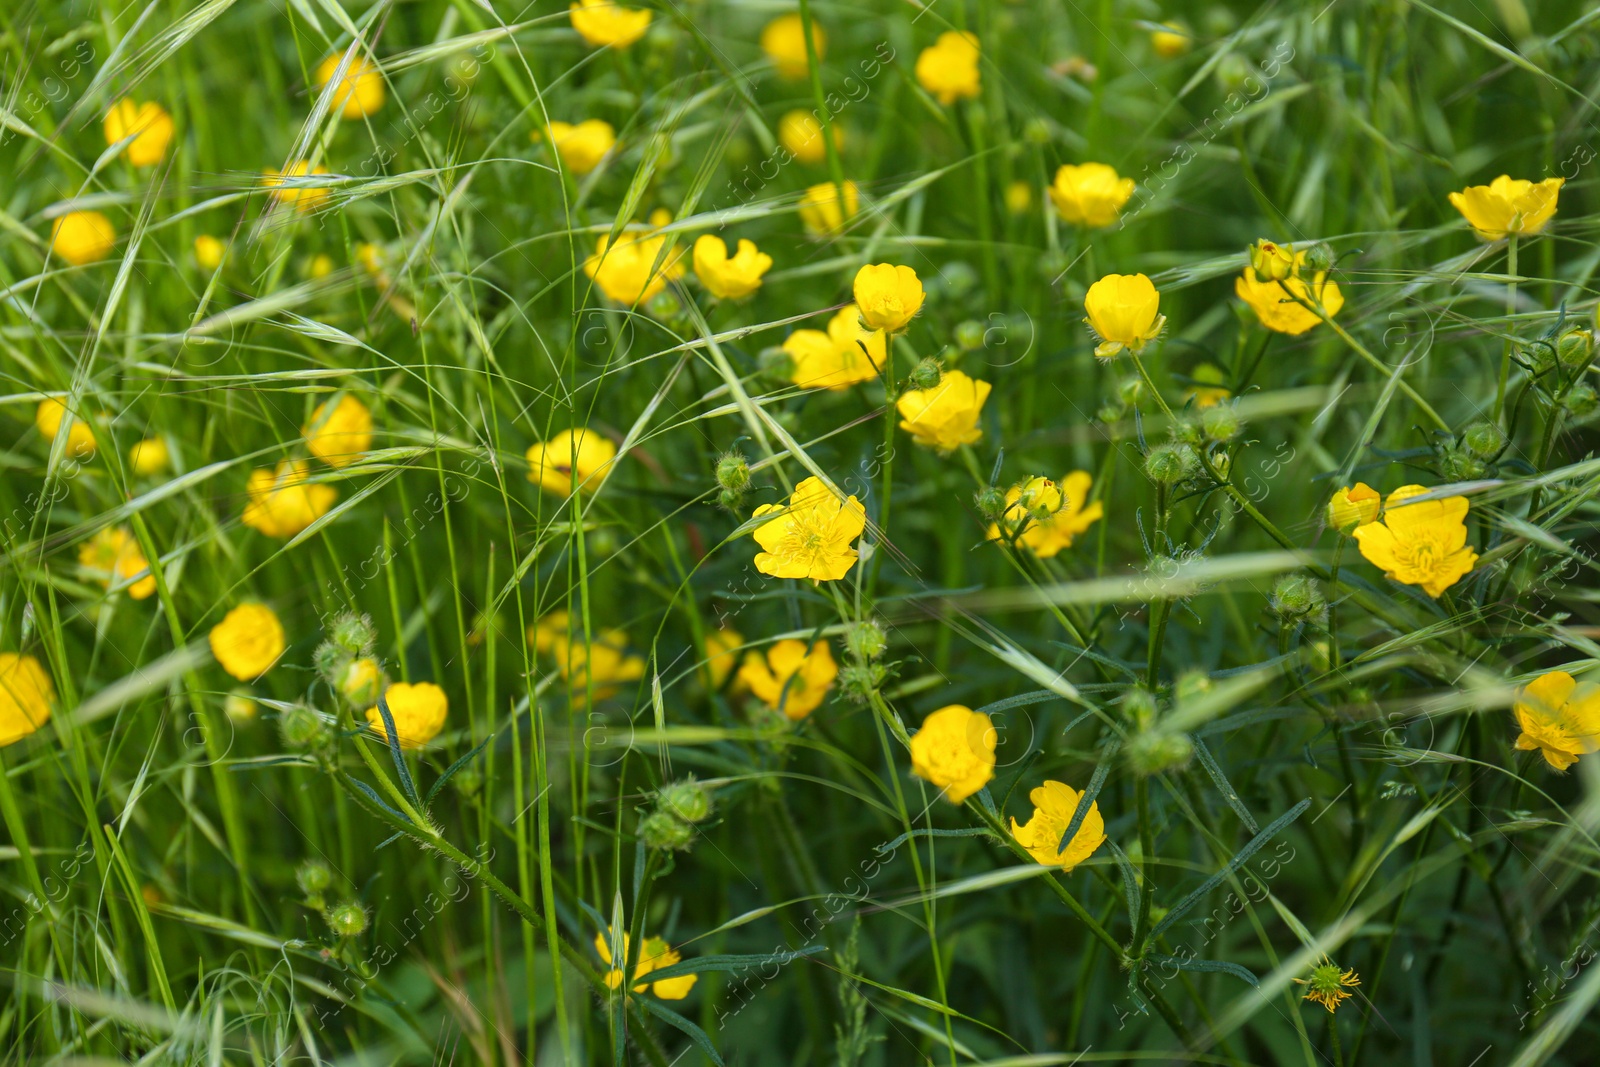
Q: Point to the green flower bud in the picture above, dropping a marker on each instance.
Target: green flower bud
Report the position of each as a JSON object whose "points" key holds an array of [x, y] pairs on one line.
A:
{"points": [[1170, 463], [348, 919], [1542, 354], [301, 727], [1320, 257], [1130, 391], [1459, 465], [969, 335], [1232, 73], [927, 375], [730, 499], [1111, 411], [687, 800], [991, 503], [313, 877], [733, 472], [1484, 440], [329, 660], [353, 633], [1221, 423], [1036, 131], [859, 679], [958, 278], [1575, 349], [1191, 684], [867, 639], [1156, 751], [1581, 400], [1297, 598], [239, 707], [664, 306], [664, 832], [1139, 705]]}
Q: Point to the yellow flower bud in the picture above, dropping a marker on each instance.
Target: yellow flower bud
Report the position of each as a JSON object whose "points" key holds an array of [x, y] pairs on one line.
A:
{"points": [[1271, 262], [1350, 508]]}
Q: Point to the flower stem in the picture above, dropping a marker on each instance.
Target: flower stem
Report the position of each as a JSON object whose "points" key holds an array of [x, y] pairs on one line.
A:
{"points": [[1511, 308]]}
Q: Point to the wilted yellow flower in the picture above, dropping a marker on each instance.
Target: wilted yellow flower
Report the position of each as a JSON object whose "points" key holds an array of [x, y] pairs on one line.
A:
{"points": [[1124, 312], [1329, 986], [720, 658], [149, 456], [1508, 205], [819, 207], [248, 641], [888, 296], [1420, 544], [1206, 387], [946, 416], [948, 69], [282, 503], [361, 681], [601, 23], [1048, 533], [728, 278], [955, 751], [604, 663], [784, 42], [1090, 194], [26, 694], [1350, 508], [627, 271], [114, 555], [339, 431], [1019, 197], [301, 199], [1282, 312], [790, 678], [1559, 718], [149, 125], [801, 134], [81, 237], [1054, 804], [584, 145], [811, 536], [1271, 261], [208, 251], [654, 955], [571, 458], [418, 711], [48, 418], [360, 92], [1171, 41]]}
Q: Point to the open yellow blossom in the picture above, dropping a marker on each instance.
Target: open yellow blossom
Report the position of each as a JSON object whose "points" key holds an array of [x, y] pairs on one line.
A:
{"points": [[150, 456], [418, 711], [848, 353], [861, 349], [1046, 531], [551, 632], [1171, 41], [1206, 387], [1124, 312], [725, 277], [1350, 508], [784, 41], [601, 23], [26, 694], [948, 69], [603, 664], [1090, 194], [628, 271], [114, 556], [282, 502], [1560, 719], [1329, 986], [1054, 804], [248, 641], [801, 134], [944, 417], [654, 955], [721, 646], [571, 458], [811, 536], [1420, 544], [582, 146], [819, 207], [790, 678], [888, 296], [148, 124], [302, 199], [81, 237], [51, 413], [208, 251], [339, 431], [1508, 206], [360, 92], [955, 751], [1283, 312]]}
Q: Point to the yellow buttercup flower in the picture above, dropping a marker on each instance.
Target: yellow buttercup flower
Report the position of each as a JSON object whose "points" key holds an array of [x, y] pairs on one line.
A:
{"points": [[1420, 544], [418, 711], [1171, 41], [654, 955], [571, 458], [720, 649], [81, 237], [1350, 508], [582, 146], [601, 23], [1054, 804], [300, 198], [819, 207], [603, 664], [888, 296], [51, 413], [114, 556], [282, 503], [946, 416], [862, 350], [848, 353], [339, 431], [321, 266], [361, 681], [360, 92], [627, 271], [811, 536], [1271, 261], [551, 632], [150, 456], [149, 125], [1282, 312], [26, 694], [1124, 312], [955, 751], [1329, 986], [791, 678], [1206, 387], [1045, 530], [948, 69], [1508, 206], [248, 641], [784, 41], [1560, 719], [801, 134], [208, 251], [1090, 194], [725, 277]]}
